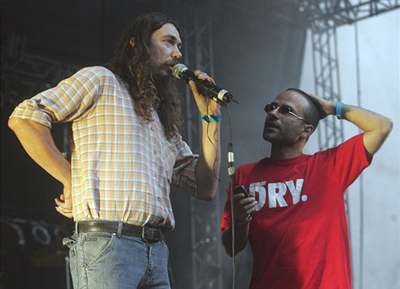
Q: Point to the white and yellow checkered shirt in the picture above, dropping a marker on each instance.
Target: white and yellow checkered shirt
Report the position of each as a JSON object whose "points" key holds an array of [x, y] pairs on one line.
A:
{"points": [[122, 167]]}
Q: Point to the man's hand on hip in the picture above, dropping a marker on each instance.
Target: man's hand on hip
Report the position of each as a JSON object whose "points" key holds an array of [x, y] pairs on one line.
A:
{"points": [[64, 203]]}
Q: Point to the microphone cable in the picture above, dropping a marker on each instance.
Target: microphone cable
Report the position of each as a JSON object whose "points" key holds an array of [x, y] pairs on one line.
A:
{"points": [[231, 174]]}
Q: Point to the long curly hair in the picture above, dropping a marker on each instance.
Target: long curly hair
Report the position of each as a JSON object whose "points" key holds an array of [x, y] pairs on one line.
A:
{"points": [[148, 92]]}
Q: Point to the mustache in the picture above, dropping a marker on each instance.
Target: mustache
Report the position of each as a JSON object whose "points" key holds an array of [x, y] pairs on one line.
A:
{"points": [[271, 123], [172, 63]]}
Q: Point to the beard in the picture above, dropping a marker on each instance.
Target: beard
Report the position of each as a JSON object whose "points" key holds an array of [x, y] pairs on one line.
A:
{"points": [[277, 135], [162, 69], [158, 70]]}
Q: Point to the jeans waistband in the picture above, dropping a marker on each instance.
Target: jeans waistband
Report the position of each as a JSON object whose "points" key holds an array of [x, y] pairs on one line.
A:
{"points": [[147, 233]]}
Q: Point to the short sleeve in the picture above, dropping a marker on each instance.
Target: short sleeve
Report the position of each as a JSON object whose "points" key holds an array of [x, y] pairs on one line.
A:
{"points": [[348, 160], [69, 100], [226, 216]]}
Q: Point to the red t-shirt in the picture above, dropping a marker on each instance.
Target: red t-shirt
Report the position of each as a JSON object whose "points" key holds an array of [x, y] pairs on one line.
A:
{"points": [[299, 235]]}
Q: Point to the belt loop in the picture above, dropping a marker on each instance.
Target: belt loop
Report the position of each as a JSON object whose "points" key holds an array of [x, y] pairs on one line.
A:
{"points": [[76, 228], [119, 230]]}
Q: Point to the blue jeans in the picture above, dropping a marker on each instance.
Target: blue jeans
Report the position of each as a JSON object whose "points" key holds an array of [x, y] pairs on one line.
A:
{"points": [[108, 261]]}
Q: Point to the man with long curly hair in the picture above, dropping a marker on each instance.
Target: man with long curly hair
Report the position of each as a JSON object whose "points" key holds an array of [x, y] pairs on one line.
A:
{"points": [[126, 153]]}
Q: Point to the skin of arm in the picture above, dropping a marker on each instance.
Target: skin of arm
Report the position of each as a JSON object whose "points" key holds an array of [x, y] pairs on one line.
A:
{"points": [[207, 169], [38, 142], [376, 127]]}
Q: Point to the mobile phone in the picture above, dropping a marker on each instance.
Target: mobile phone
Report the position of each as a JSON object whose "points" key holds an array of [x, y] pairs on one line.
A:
{"points": [[241, 190]]}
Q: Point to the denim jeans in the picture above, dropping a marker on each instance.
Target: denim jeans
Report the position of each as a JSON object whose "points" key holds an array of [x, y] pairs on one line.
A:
{"points": [[108, 261]]}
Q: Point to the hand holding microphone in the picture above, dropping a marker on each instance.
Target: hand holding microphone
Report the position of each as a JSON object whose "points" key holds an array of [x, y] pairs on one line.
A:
{"points": [[207, 87]]}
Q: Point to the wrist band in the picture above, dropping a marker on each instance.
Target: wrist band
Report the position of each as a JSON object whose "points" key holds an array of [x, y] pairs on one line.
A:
{"points": [[339, 110], [211, 118]]}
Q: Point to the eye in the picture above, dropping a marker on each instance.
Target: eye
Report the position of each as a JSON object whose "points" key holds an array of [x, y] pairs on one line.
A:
{"points": [[285, 109], [169, 42], [270, 107]]}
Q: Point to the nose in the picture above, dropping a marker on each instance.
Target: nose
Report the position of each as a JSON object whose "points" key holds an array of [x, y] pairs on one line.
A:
{"points": [[272, 115], [176, 54]]}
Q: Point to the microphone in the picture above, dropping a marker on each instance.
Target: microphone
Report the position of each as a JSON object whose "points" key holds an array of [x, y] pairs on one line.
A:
{"points": [[219, 95]]}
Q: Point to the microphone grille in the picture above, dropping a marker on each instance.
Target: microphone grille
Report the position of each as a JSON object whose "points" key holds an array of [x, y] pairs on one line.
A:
{"points": [[178, 69]]}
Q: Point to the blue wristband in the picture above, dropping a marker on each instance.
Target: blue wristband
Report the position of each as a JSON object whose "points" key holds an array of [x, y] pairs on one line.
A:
{"points": [[339, 109], [211, 118]]}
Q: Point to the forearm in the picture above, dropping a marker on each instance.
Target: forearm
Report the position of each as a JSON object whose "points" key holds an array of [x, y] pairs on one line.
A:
{"points": [[207, 170], [364, 119], [367, 120], [376, 127], [37, 141], [241, 236]]}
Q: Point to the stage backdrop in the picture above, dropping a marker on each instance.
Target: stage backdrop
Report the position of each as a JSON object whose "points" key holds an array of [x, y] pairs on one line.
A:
{"points": [[374, 203]]}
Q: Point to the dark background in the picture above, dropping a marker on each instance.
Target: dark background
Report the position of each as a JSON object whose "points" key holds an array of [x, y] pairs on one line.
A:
{"points": [[258, 51]]}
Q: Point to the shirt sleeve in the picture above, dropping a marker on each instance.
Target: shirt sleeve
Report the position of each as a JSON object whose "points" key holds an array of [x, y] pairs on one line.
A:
{"points": [[226, 216], [68, 101], [348, 160], [185, 167]]}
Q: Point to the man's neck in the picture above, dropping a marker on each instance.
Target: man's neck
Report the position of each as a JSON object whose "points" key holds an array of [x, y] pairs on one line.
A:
{"points": [[284, 152]]}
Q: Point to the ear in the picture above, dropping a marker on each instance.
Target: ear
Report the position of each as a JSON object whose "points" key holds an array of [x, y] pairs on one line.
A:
{"points": [[132, 42], [308, 130]]}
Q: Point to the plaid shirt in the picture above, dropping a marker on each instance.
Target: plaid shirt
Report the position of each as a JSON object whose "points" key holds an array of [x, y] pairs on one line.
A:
{"points": [[122, 167]]}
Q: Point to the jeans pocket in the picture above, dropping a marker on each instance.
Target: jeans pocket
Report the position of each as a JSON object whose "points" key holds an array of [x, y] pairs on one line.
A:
{"points": [[73, 260], [96, 246]]}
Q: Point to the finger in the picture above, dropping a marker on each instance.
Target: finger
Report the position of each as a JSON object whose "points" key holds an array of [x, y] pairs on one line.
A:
{"points": [[203, 76], [240, 196], [58, 201], [206, 77], [250, 208], [66, 214], [243, 196], [240, 201], [63, 205], [200, 74], [246, 211], [64, 210], [246, 200]]}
